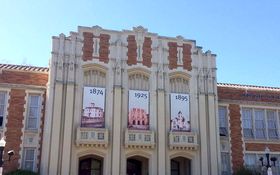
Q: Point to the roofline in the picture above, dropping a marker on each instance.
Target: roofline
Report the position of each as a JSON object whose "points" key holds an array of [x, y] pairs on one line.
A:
{"points": [[16, 67], [243, 86]]}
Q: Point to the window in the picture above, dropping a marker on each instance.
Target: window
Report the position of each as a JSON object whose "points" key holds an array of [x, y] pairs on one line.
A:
{"points": [[250, 160], [247, 123], [223, 121], [28, 159], [34, 102], [2, 107], [226, 169], [259, 124], [272, 124], [253, 162]]}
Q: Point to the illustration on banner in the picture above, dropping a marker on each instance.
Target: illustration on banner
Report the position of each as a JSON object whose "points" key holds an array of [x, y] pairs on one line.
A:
{"points": [[93, 114], [180, 118], [138, 110]]}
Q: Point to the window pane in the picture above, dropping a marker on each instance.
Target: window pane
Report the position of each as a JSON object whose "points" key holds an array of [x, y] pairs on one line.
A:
{"points": [[33, 111], [225, 164], [1, 121], [2, 107], [29, 158], [29, 155], [2, 98], [28, 165], [32, 123], [34, 100], [272, 124], [250, 160], [259, 124], [247, 122], [223, 120]]}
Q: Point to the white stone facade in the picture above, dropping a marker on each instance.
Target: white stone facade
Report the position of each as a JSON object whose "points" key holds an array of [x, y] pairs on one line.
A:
{"points": [[65, 142]]}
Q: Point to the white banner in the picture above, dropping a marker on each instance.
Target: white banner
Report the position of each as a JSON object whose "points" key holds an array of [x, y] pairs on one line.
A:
{"points": [[93, 114], [180, 112], [138, 110]]}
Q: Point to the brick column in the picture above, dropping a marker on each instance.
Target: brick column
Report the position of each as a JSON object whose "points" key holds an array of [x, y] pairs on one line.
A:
{"points": [[14, 126], [236, 137]]}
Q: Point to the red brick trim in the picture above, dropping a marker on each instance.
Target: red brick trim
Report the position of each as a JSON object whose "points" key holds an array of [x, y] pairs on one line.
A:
{"points": [[104, 48], [262, 146], [147, 52], [236, 137], [172, 57], [132, 50], [27, 78], [88, 46], [229, 93], [14, 128], [187, 60]]}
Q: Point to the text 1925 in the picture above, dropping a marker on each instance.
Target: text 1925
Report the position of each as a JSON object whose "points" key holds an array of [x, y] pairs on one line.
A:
{"points": [[141, 95]]}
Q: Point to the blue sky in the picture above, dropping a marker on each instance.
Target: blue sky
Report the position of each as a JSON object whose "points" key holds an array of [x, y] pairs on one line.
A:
{"points": [[245, 35]]}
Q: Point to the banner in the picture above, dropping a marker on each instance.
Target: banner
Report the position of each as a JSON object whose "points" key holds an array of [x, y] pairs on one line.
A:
{"points": [[180, 112], [138, 110], [93, 114]]}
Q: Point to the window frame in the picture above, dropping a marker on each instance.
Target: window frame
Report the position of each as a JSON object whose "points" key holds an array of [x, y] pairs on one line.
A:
{"points": [[266, 129], [4, 107], [39, 113], [24, 161], [225, 119]]}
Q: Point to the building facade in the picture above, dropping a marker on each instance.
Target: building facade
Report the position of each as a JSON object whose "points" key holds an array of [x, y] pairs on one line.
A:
{"points": [[133, 102]]}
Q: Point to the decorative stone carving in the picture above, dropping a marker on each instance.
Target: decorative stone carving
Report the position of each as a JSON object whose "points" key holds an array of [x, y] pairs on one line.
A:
{"points": [[118, 71], [160, 76], [96, 30], [140, 29], [201, 86]]}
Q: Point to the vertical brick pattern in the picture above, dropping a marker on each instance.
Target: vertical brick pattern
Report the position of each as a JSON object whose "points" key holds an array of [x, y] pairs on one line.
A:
{"points": [[236, 136], [262, 146], [147, 52], [172, 57], [132, 50], [104, 48], [41, 130], [14, 127], [88, 46], [187, 60]]}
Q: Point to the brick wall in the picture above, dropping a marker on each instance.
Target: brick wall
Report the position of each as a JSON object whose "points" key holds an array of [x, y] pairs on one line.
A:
{"points": [[88, 46], [104, 48], [14, 126], [229, 93], [147, 52], [26, 78], [236, 136], [187, 60], [132, 50], [262, 146], [172, 57]]}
